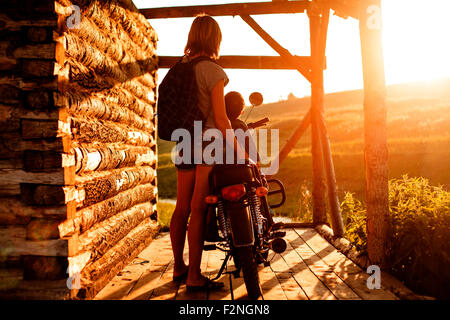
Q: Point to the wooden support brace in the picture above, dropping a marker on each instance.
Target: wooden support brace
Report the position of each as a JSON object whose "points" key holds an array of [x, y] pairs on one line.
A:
{"points": [[336, 217], [295, 137], [284, 53]]}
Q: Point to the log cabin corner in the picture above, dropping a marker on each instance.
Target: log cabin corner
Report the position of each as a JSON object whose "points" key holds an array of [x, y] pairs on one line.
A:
{"points": [[78, 144]]}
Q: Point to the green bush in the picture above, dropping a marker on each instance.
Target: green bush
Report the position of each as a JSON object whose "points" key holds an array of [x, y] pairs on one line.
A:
{"points": [[354, 217], [165, 210], [420, 225]]}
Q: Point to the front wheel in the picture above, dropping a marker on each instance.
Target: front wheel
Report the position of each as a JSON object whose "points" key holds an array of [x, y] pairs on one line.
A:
{"points": [[245, 258]]}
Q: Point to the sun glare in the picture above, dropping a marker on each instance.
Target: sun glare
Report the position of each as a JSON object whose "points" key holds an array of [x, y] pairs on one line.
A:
{"points": [[415, 39], [414, 42]]}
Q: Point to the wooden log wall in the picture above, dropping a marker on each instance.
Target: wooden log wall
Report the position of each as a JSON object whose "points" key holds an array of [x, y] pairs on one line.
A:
{"points": [[78, 143]]}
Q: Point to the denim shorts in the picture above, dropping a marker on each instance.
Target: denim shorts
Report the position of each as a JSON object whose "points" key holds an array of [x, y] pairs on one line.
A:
{"points": [[191, 165]]}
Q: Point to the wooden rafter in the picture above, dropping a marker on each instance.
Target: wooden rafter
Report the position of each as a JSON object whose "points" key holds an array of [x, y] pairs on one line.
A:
{"points": [[249, 62], [231, 9], [284, 53]]}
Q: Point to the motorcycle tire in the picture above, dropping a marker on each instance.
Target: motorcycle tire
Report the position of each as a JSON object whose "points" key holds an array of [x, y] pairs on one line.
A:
{"points": [[247, 261]]}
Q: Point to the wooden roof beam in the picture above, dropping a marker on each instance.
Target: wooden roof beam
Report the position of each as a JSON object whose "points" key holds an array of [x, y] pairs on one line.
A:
{"points": [[231, 9], [250, 62]]}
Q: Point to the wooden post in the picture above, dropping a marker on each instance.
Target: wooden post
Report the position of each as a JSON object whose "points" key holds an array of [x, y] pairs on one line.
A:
{"points": [[375, 138], [335, 210], [317, 93]]}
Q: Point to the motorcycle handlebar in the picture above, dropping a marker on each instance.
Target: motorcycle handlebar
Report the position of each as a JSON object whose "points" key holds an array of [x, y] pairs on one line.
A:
{"points": [[259, 123]]}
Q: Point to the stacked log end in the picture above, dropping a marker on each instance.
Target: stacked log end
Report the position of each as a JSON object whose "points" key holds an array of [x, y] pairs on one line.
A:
{"points": [[78, 144]]}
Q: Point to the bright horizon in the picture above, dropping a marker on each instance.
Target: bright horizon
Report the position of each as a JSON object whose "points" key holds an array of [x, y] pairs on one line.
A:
{"points": [[414, 46]]}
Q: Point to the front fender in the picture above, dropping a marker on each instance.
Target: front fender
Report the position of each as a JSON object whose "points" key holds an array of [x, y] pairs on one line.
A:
{"points": [[240, 223]]}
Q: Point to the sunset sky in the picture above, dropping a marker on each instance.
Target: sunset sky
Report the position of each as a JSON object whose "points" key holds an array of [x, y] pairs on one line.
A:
{"points": [[415, 40]]}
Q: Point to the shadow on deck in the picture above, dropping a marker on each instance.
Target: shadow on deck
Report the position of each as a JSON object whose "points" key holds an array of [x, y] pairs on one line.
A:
{"points": [[310, 269]]}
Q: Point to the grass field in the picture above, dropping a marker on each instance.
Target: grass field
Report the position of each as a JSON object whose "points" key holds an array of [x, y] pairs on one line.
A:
{"points": [[418, 141]]}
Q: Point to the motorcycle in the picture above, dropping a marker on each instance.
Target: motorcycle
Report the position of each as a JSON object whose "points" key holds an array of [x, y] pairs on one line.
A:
{"points": [[239, 220]]}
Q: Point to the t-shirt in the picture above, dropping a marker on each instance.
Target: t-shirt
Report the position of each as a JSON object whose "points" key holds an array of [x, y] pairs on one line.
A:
{"points": [[208, 74]]}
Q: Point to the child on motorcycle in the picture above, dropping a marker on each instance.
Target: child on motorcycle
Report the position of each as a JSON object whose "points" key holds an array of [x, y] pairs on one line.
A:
{"points": [[234, 104]]}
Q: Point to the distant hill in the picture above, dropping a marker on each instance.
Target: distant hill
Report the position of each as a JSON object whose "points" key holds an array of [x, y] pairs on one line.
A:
{"points": [[436, 90]]}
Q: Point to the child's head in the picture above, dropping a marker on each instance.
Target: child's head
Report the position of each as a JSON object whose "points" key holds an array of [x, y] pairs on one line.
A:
{"points": [[234, 103]]}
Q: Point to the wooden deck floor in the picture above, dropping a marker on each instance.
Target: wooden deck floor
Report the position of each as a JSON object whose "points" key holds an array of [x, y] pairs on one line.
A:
{"points": [[310, 268]]}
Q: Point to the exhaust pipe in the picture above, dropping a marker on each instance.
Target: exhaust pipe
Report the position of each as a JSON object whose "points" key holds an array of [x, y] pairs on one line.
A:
{"points": [[278, 245]]}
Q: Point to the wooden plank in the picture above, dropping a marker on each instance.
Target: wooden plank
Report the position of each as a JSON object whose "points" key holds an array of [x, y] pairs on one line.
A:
{"points": [[232, 9], [166, 288], [121, 285], [291, 288], [183, 294], [158, 247], [248, 62], [310, 283], [143, 289], [348, 271], [323, 271], [284, 53], [277, 264], [270, 285]]}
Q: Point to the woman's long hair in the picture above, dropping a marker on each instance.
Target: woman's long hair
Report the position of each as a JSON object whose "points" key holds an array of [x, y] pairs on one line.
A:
{"points": [[204, 37]]}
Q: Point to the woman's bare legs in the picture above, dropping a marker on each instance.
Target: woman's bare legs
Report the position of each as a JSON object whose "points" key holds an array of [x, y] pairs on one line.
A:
{"points": [[178, 223], [197, 225]]}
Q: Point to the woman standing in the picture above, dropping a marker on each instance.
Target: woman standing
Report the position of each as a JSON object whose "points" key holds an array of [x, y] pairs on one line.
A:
{"points": [[193, 186]]}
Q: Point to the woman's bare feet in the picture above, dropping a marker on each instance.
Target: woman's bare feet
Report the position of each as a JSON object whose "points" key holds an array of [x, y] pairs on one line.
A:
{"points": [[180, 272], [203, 284]]}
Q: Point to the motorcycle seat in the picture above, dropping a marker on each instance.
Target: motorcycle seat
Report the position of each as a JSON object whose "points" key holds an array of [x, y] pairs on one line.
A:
{"points": [[229, 174]]}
